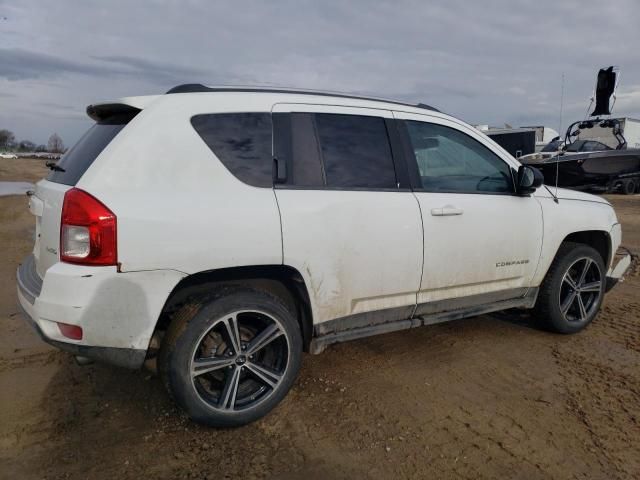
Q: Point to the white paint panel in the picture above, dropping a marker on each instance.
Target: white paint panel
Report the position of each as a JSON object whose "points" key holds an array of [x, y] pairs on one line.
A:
{"points": [[47, 208], [358, 251], [468, 254], [574, 212], [114, 309]]}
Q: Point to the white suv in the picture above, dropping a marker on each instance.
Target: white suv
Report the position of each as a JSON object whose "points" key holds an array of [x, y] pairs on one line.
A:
{"points": [[227, 230]]}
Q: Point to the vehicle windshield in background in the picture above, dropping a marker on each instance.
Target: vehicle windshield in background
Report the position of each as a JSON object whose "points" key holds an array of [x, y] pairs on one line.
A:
{"points": [[587, 146], [552, 146], [79, 158]]}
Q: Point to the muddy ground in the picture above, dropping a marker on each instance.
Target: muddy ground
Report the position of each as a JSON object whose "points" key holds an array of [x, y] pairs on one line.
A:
{"points": [[487, 397]]}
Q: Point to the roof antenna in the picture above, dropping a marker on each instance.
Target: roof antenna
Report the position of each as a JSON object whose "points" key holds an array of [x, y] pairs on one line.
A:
{"points": [[555, 196]]}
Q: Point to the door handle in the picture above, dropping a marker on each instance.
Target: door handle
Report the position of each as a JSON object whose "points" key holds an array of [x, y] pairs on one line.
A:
{"points": [[445, 211]]}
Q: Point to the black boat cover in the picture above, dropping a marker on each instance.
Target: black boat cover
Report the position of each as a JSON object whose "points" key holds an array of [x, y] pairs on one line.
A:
{"points": [[604, 89]]}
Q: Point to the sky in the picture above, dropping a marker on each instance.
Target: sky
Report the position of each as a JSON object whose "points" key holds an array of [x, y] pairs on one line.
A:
{"points": [[486, 62]]}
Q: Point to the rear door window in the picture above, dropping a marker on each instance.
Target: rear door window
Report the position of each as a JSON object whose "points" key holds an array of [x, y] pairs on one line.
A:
{"points": [[242, 142], [79, 158], [355, 151], [341, 151]]}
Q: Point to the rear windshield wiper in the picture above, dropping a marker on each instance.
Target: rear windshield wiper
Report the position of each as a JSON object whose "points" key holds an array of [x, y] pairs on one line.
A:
{"points": [[55, 167]]}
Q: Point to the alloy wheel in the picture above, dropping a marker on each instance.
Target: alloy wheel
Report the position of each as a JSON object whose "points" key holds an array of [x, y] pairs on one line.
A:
{"points": [[240, 360], [581, 290]]}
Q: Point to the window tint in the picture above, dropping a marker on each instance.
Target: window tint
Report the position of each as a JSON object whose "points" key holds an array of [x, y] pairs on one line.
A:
{"points": [[242, 142], [308, 170], [77, 160], [593, 146], [552, 146], [355, 151], [577, 146], [451, 161]]}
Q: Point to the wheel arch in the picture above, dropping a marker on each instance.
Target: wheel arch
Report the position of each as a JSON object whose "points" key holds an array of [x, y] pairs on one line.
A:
{"points": [[281, 281], [600, 240]]}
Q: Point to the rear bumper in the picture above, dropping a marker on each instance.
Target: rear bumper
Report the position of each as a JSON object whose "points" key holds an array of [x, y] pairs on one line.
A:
{"points": [[116, 311], [121, 357]]}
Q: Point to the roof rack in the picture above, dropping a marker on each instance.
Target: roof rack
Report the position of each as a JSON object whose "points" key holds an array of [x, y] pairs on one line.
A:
{"points": [[197, 87]]}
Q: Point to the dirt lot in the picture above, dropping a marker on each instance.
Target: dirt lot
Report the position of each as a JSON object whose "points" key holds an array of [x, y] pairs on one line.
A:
{"points": [[488, 397]]}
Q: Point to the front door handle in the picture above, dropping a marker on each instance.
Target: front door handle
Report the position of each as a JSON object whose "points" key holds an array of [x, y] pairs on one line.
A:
{"points": [[446, 211]]}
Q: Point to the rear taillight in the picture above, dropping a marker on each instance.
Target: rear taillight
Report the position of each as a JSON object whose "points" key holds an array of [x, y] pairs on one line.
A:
{"points": [[87, 230]]}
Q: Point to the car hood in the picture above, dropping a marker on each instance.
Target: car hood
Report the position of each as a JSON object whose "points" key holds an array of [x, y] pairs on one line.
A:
{"points": [[567, 194]]}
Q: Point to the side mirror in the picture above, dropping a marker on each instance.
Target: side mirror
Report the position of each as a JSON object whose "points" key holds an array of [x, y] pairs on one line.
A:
{"points": [[529, 179]]}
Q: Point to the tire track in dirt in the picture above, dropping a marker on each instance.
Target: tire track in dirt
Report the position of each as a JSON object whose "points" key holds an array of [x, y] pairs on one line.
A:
{"points": [[601, 375], [39, 358]]}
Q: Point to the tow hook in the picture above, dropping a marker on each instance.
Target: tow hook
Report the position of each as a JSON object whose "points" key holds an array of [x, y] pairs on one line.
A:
{"points": [[82, 361]]}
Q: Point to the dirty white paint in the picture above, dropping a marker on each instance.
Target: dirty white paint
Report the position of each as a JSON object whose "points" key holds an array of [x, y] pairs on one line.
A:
{"points": [[15, 188], [114, 309]]}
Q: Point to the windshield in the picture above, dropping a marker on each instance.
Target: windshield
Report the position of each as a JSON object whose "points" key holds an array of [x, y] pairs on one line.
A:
{"points": [[553, 146], [575, 146]]}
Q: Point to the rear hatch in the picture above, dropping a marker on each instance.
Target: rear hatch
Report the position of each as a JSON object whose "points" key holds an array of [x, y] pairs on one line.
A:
{"points": [[46, 202]]}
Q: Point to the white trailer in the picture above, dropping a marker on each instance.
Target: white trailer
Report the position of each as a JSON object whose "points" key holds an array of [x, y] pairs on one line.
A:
{"points": [[543, 135]]}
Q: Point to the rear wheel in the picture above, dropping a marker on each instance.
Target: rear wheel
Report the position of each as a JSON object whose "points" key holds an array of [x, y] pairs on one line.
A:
{"points": [[628, 187], [573, 290], [229, 359]]}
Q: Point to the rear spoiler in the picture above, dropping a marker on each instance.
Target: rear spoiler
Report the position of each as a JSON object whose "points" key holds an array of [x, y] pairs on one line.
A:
{"points": [[100, 112], [127, 107]]}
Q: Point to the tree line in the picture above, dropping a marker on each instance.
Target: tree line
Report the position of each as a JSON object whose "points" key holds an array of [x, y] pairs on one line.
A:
{"points": [[9, 143]]}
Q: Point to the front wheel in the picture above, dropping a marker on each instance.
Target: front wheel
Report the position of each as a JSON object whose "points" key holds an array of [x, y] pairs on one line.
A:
{"points": [[573, 290], [230, 358]]}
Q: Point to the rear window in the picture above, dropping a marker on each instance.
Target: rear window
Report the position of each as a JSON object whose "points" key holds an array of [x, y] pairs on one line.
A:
{"points": [[242, 142], [80, 157]]}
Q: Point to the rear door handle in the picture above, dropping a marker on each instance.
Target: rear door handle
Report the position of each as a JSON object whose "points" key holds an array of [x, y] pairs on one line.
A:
{"points": [[447, 210]]}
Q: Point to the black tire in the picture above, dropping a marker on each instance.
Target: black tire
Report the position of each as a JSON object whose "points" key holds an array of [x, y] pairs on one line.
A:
{"points": [[224, 395], [556, 291], [637, 185], [617, 187], [628, 187]]}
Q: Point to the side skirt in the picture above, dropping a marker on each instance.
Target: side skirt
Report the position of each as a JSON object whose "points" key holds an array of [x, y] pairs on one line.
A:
{"points": [[322, 340]]}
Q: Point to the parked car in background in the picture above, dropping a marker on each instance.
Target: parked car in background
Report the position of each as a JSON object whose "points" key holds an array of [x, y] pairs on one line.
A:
{"points": [[224, 231]]}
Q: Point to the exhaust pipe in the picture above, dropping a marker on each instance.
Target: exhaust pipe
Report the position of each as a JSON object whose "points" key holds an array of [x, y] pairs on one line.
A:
{"points": [[82, 361]]}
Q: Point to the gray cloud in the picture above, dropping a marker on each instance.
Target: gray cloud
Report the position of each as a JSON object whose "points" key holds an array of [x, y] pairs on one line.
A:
{"points": [[155, 72], [18, 64]]}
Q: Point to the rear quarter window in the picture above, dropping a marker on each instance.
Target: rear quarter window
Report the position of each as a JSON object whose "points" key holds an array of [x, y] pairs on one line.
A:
{"points": [[79, 158], [242, 142]]}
